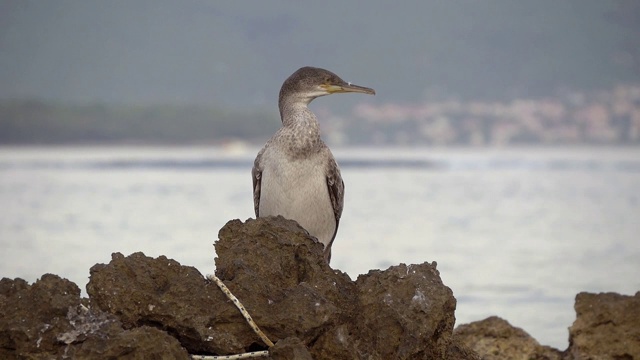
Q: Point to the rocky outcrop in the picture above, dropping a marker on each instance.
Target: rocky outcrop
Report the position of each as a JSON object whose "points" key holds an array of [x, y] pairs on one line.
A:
{"points": [[141, 307], [48, 319], [404, 312], [607, 326], [494, 338]]}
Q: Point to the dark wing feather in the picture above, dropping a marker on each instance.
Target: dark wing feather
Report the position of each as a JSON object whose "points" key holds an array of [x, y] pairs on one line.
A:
{"points": [[256, 174], [336, 192]]}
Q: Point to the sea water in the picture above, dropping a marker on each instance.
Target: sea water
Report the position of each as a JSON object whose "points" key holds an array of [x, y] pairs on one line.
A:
{"points": [[515, 232]]}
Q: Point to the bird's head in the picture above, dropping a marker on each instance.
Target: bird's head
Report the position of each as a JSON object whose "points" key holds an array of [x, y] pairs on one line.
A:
{"points": [[308, 83]]}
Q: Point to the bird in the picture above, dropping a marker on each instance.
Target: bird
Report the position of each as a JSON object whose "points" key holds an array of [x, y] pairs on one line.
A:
{"points": [[295, 175]]}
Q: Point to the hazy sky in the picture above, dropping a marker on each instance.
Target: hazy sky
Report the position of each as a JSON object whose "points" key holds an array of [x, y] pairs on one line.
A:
{"points": [[238, 52]]}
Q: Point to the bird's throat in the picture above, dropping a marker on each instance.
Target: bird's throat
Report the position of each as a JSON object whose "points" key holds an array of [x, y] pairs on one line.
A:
{"points": [[301, 128]]}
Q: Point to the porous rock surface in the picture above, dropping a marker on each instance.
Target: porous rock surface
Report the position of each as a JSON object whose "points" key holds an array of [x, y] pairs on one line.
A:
{"points": [[49, 320], [494, 338], [404, 312], [607, 326], [141, 307]]}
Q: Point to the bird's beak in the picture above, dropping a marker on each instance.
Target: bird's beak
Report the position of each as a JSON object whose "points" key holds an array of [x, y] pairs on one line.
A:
{"points": [[346, 88]]}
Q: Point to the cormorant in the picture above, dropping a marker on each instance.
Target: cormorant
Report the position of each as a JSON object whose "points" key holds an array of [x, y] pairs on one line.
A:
{"points": [[295, 175]]}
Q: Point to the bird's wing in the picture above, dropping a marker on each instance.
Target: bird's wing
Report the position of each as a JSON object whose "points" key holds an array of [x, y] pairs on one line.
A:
{"points": [[336, 191], [256, 175]]}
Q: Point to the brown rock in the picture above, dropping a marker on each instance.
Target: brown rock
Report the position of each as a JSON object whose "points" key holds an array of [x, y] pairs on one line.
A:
{"points": [[340, 342], [405, 312], [274, 268], [289, 349], [47, 320], [277, 271], [607, 326], [31, 316], [494, 338], [458, 351], [142, 307], [138, 343], [161, 293]]}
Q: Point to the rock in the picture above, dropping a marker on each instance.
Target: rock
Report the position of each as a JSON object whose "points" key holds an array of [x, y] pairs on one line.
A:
{"points": [[277, 270], [607, 326], [458, 351], [49, 320], [494, 339], [31, 316], [161, 293], [405, 312], [139, 343], [141, 307], [290, 348]]}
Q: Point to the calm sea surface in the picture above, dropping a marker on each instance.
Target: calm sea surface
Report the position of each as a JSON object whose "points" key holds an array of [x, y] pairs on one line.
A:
{"points": [[516, 233]]}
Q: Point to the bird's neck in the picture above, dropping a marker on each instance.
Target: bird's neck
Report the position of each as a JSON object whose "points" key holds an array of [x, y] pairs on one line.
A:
{"points": [[300, 125]]}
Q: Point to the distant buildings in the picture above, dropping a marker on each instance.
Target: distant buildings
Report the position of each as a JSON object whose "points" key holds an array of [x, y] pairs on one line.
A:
{"points": [[611, 117]]}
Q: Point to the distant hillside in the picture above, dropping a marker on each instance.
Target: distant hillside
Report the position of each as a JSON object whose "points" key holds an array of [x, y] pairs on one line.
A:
{"points": [[35, 122], [609, 117]]}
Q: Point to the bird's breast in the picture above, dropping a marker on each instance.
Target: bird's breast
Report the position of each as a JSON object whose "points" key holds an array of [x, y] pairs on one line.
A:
{"points": [[294, 181], [297, 189]]}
